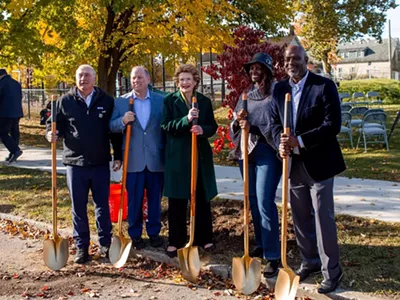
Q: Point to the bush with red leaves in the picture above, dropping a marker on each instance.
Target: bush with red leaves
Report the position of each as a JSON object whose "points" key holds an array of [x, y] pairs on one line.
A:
{"points": [[248, 42]]}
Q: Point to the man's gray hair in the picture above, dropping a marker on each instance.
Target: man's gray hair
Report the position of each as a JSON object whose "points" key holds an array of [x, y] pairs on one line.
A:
{"points": [[141, 67], [88, 67]]}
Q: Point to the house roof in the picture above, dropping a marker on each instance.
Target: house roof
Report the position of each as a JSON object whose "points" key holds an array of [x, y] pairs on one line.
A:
{"points": [[373, 51]]}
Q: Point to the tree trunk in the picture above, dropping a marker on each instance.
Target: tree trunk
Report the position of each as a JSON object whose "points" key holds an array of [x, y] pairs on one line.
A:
{"points": [[326, 65]]}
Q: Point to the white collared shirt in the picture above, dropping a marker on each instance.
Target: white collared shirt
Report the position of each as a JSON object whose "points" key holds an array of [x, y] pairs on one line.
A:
{"points": [[297, 90], [142, 108], [88, 99]]}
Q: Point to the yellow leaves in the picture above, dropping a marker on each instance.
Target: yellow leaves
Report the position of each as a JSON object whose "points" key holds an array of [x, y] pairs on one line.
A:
{"points": [[17, 7]]}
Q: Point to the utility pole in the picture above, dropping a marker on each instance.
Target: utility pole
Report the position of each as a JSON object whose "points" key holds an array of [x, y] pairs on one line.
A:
{"points": [[390, 52]]}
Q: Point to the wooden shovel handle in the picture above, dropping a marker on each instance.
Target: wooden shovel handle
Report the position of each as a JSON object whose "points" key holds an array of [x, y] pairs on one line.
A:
{"points": [[193, 182], [245, 138], [54, 168], [125, 168], [285, 183]]}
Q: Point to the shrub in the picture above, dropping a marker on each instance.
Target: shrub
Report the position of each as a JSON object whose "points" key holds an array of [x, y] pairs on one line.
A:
{"points": [[388, 89]]}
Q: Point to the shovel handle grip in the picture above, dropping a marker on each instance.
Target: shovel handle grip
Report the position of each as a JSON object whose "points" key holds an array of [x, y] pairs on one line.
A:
{"points": [[125, 167], [195, 104]]}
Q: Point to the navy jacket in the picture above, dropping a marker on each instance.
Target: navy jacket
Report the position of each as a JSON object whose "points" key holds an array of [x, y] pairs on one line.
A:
{"points": [[10, 98], [318, 123], [85, 129]]}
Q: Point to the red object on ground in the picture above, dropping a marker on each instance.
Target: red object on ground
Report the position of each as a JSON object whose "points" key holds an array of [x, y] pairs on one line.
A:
{"points": [[113, 201]]}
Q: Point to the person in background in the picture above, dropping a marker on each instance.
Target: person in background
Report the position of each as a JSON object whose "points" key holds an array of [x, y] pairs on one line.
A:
{"points": [[146, 155], [83, 116], [265, 169], [177, 122], [10, 114]]}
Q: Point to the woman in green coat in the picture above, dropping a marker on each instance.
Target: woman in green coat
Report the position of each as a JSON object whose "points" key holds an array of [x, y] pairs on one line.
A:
{"points": [[177, 120]]}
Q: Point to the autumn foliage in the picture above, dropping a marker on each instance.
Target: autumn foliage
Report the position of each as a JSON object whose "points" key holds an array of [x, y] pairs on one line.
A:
{"points": [[247, 42]]}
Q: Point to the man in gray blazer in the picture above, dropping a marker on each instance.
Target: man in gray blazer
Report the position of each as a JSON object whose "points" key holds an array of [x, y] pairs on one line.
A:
{"points": [[146, 155]]}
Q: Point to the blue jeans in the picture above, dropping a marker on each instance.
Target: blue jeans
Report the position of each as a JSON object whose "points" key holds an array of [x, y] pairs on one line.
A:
{"points": [[265, 171]]}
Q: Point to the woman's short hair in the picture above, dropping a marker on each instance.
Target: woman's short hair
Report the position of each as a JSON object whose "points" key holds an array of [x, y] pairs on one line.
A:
{"points": [[188, 68]]}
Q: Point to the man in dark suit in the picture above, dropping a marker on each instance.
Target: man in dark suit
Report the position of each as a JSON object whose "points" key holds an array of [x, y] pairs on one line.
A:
{"points": [[316, 159], [10, 113]]}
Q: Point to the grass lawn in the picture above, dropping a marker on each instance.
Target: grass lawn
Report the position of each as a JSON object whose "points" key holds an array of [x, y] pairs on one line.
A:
{"points": [[369, 248], [377, 163]]}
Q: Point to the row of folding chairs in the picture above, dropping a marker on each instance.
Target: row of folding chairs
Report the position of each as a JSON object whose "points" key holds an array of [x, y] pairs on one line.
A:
{"points": [[372, 123], [370, 99]]}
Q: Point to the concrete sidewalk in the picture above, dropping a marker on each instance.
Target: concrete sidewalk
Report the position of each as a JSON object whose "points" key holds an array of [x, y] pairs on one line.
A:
{"points": [[374, 199]]}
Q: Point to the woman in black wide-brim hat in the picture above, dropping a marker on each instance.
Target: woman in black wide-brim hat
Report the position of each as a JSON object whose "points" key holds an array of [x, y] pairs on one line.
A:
{"points": [[265, 169]]}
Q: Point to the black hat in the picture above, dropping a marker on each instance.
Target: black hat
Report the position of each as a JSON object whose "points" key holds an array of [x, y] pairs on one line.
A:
{"points": [[3, 72], [261, 58]]}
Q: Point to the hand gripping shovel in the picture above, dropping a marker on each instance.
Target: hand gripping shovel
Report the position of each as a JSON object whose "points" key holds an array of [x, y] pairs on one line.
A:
{"points": [[188, 257], [55, 248], [121, 245], [287, 281], [246, 271]]}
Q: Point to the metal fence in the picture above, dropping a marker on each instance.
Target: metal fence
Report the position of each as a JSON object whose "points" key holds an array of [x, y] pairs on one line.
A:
{"points": [[35, 99]]}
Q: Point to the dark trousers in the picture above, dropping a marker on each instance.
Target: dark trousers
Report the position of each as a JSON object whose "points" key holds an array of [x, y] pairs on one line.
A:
{"points": [[7, 125], [14, 132], [79, 181], [177, 212], [314, 220], [136, 183]]}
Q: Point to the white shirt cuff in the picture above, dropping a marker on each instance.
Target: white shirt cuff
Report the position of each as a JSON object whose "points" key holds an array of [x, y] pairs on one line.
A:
{"points": [[300, 142]]}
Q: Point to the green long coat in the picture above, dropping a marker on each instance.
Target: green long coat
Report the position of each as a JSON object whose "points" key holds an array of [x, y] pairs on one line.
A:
{"points": [[178, 151]]}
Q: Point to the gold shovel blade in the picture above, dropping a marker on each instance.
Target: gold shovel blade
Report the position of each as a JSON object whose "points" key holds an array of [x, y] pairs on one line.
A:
{"points": [[119, 250], [55, 253], [286, 285], [189, 262], [246, 274]]}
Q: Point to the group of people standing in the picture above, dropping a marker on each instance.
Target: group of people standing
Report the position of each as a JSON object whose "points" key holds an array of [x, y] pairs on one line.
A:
{"points": [[10, 113], [160, 154]]}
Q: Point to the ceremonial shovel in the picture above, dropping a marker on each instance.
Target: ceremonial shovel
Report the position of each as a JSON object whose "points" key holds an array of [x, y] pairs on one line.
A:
{"points": [[287, 281], [121, 245], [55, 248], [246, 271], [188, 257]]}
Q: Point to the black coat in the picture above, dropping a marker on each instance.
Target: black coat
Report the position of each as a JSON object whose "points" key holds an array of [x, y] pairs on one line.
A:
{"points": [[10, 98], [318, 123], [86, 130]]}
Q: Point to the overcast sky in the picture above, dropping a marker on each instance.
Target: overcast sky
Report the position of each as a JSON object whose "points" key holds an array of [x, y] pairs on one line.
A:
{"points": [[394, 16]]}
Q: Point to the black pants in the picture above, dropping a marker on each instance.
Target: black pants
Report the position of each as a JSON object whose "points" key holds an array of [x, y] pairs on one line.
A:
{"points": [[8, 133], [177, 212]]}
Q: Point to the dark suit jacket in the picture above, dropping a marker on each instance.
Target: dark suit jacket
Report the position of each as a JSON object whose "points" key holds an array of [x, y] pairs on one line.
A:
{"points": [[10, 98], [318, 123]]}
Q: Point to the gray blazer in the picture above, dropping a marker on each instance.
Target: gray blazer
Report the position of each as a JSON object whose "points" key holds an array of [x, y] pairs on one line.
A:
{"points": [[147, 145]]}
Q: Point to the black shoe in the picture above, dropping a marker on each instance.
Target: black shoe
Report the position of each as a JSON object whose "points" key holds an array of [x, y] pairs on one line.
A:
{"points": [[14, 156], [173, 253], [103, 251], [330, 285], [138, 243], [257, 252], [82, 256], [271, 269], [211, 248], [156, 241], [8, 157], [305, 272]]}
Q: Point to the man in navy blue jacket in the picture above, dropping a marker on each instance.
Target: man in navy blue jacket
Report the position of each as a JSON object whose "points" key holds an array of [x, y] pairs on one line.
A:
{"points": [[316, 159], [83, 115], [10, 113]]}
